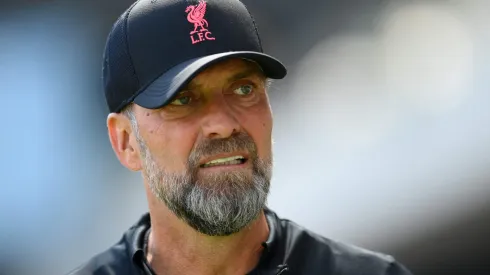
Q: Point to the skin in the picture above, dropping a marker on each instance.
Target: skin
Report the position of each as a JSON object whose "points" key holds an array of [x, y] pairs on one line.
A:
{"points": [[221, 104]]}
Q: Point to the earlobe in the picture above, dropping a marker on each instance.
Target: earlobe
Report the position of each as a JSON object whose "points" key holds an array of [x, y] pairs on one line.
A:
{"points": [[123, 141]]}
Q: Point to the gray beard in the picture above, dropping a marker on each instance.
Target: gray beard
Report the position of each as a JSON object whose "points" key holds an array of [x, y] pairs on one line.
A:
{"points": [[216, 204]]}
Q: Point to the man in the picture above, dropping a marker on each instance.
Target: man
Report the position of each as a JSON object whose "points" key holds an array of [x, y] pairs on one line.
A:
{"points": [[186, 85]]}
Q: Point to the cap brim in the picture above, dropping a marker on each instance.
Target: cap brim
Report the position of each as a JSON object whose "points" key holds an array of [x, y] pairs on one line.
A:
{"points": [[164, 88]]}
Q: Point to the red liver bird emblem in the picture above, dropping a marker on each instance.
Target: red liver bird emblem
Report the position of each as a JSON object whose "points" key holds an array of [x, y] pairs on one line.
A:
{"points": [[195, 15]]}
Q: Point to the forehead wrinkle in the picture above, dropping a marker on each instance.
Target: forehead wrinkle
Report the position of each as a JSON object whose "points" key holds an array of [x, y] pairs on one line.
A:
{"points": [[250, 69], [247, 73]]}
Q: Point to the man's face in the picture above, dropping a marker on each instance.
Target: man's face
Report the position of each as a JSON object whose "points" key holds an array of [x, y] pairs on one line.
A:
{"points": [[207, 155]]}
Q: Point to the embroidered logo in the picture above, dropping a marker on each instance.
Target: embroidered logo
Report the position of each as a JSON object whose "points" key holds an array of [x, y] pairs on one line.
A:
{"points": [[195, 15]]}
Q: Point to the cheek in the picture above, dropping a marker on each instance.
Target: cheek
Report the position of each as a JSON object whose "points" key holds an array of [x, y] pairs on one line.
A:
{"points": [[253, 111], [170, 145], [267, 125], [257, 122]]}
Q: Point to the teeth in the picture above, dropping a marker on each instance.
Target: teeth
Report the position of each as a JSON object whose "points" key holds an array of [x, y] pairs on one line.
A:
{"points": [[221, 160], [225, 161]]}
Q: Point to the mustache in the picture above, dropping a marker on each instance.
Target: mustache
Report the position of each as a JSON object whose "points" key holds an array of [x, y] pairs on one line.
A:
{"points": [[240, 141]]}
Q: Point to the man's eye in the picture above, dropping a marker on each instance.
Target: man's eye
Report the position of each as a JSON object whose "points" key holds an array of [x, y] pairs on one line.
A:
{"points": [[183, 100], [244, 90]]}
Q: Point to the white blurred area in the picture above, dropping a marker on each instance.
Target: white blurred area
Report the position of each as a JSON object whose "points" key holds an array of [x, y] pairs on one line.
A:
{"points": [[387, 134], [381, 134]]}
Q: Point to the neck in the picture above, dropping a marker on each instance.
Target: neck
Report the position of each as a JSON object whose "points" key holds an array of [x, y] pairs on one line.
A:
{"points": [[176, 248]]}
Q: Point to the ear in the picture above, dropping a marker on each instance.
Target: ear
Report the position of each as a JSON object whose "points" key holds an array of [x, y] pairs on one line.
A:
{"points": [[123, 141]]}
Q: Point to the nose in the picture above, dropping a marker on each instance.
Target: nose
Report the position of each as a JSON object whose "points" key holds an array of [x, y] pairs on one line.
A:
{"points": [[219, 121]]}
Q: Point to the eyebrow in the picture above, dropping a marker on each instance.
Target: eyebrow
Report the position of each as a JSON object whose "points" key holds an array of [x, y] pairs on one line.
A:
{"points": [[243, 74]]}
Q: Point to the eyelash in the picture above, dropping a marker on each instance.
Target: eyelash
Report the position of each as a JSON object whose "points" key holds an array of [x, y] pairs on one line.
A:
{"points": [[191, 97], [236, 86], [244, 83]]}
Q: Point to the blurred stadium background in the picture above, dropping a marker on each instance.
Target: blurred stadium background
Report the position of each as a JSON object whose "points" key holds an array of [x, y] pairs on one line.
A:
{"points": [[382, 130]]}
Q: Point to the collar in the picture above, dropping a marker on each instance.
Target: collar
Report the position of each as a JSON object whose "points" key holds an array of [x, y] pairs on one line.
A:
{"points": [[274, 230], [271, 259], [135, 240]]}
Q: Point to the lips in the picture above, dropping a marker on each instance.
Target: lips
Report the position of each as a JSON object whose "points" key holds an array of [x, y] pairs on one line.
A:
{"points": [[231, 160]]}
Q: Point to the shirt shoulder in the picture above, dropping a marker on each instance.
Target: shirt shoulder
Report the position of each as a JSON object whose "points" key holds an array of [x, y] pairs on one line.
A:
{"points": [[123, 258], [114, 260], [307, 252]]}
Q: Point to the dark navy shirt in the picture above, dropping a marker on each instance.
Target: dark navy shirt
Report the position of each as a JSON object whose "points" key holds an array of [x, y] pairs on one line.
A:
{"points": [[289, 250]]}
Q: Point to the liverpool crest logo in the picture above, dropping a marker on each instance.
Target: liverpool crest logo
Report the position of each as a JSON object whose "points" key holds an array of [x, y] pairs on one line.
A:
{"points": [[195, 15]]}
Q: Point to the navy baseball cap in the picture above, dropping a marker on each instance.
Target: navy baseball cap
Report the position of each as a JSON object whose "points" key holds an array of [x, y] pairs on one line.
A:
{"points": [[157, 46]]}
